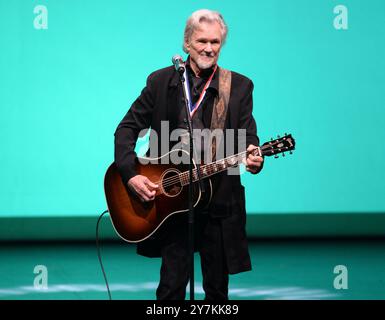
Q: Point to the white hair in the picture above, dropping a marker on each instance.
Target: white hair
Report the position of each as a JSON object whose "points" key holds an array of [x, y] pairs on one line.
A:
{"points": [[200, 16]]}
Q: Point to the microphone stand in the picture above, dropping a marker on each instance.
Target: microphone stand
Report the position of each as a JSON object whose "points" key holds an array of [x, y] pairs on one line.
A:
{"points": [[190, 189]]}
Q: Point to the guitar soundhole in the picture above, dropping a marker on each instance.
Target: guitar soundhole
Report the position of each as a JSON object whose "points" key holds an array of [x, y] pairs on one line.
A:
{"points": [[171, 184]]}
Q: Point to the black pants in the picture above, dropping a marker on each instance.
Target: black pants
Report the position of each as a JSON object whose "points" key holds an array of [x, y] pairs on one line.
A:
{"points": [[174, 273]]}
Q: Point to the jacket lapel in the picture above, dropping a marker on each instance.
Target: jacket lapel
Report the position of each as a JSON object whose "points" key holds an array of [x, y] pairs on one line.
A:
{"points": [[174, 100]]}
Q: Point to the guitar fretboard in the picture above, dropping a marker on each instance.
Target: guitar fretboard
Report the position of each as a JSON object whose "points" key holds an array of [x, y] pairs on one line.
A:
{"points": [[213, 168]]}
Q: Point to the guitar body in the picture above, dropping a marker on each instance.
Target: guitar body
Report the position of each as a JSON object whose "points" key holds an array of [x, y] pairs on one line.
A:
{"points": [[134, 220]]}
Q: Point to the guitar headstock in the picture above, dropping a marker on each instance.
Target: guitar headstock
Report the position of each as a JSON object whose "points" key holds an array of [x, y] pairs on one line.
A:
{"points": [[279, 145]]}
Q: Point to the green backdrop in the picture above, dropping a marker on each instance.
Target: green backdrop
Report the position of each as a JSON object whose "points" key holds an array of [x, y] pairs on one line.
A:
{"points": [[64, 89]]}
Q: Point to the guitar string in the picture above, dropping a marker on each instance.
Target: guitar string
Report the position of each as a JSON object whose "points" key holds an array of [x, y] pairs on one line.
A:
{"points": [[182, 176], [179, 178]]}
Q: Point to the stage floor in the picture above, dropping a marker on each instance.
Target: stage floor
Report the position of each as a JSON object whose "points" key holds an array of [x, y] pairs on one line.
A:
{"points": [[282, 269]]}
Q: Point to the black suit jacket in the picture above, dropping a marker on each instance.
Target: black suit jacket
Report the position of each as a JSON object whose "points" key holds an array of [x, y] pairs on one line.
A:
{"points": [[161, 100]]}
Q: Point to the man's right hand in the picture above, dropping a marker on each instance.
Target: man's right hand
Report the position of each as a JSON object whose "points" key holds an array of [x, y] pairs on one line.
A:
{"points": [[143, 187]]}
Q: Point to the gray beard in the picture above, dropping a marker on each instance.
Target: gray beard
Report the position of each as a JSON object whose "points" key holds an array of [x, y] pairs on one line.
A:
{"points": [[204, 65]]}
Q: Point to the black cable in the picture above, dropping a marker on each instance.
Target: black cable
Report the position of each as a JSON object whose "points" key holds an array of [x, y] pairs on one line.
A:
{"points": [[100, 259]]}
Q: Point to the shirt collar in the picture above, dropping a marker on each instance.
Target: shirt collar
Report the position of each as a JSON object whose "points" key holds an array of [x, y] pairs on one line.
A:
{"points": [[214, 85], [206, 75]]}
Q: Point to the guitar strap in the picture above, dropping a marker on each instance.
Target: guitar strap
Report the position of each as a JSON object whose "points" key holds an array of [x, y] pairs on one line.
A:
{"points": [[221, 104]]}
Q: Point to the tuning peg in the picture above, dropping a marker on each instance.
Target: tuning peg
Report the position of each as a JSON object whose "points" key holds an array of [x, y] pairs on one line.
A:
{"points": [[271, 139], [278, 136], [285, 134], [291, 152], [283, 154], [276, 156]]}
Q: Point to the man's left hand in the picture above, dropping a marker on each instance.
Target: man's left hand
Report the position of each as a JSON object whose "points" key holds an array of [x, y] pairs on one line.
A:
{"points": [[253, 163]]}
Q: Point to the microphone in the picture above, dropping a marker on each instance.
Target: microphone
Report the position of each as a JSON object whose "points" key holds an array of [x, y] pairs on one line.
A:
{"points": [[178, 63]]}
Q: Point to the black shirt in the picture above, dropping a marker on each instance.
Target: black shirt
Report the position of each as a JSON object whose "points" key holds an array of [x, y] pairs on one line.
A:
{"points": [[202, 117]]}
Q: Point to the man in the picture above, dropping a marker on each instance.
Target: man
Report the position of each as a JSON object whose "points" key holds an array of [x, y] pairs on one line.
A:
{"points": [[220, 227]]}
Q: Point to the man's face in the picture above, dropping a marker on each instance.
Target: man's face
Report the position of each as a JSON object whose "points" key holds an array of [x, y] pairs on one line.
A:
{"points": [[205, 45]]}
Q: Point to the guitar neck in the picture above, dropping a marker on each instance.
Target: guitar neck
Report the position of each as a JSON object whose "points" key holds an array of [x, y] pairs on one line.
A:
{"points": [[213, 168], [271, 148]]}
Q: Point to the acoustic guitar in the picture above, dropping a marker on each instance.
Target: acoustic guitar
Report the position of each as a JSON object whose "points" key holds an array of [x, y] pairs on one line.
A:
{"points": [[135, 220]]}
